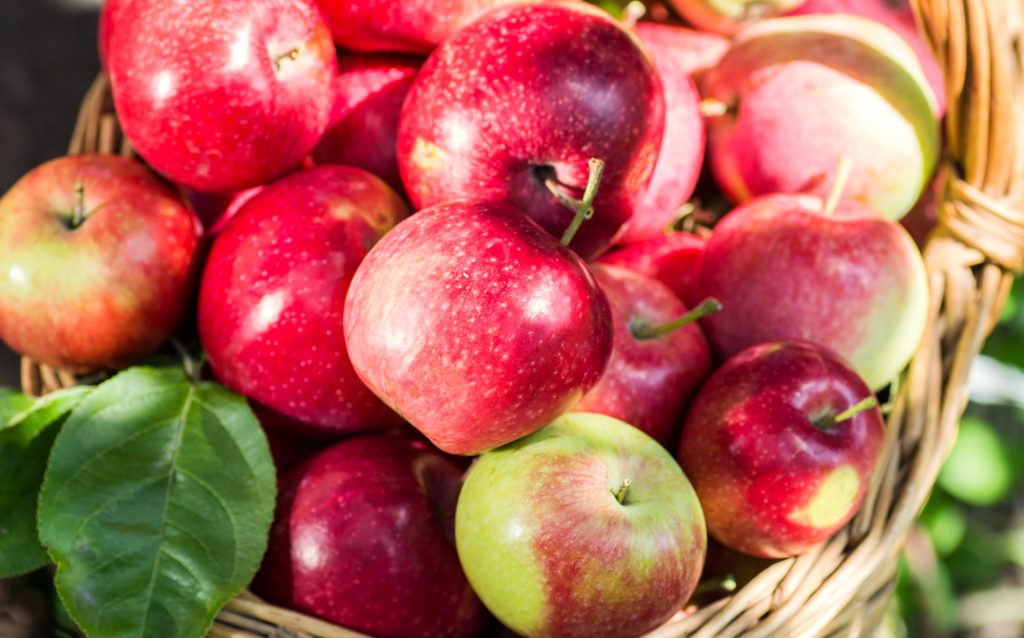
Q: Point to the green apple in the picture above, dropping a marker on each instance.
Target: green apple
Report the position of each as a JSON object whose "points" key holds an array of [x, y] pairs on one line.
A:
{"points": [[585, 528]]}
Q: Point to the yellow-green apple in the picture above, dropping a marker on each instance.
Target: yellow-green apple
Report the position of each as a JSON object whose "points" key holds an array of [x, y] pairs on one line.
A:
{"points": [[404, 26], [370, 91], [780, 444], [850, 281], [587, 528], [363, 537], [659, 355], [221, 95], [729, 16], [272, 297], [898, 16], [671, 258], [98, 258], [800, 94], [514, 106], [682, 146], [476, 325]]}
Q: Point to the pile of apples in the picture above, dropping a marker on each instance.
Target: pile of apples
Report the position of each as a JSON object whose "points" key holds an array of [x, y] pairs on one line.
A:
{"points": [[455, 236]]}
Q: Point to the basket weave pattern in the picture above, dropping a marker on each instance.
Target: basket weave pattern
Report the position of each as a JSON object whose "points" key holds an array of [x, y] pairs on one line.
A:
{"points": [[843, 587]]}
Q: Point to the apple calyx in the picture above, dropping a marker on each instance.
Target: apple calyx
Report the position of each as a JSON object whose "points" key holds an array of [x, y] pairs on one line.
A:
{"points": [[583, 208], [645, 332], [623, 492], [838, 186]]}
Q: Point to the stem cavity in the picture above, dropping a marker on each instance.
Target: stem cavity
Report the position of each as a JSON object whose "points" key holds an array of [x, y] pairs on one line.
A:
{"points": [[583, 208], [706, 307], [623, 492], [838, 186]]}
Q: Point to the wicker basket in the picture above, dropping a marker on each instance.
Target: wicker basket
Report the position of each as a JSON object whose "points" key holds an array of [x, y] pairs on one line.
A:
{"points": [[843, 587]]}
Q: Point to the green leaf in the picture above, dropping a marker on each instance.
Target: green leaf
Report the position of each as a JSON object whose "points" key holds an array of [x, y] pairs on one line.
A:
{"points": [[25, 443], [156, 505], [11, 404], [978, 470]]}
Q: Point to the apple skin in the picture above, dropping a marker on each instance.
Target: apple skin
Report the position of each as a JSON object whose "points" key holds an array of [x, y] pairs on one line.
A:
{"points": [[404, 26], [533, 91], [808, 91], [272, 298], [852, 282], [671, 258], [199, 94], [107, 293], [771, 481], [898, 16], [693, 52], [476, 325], [215, 210], [551, 551], [648, 382], [728, 17], [363, 538], [107, 20], [370, 91], [682, 146]]}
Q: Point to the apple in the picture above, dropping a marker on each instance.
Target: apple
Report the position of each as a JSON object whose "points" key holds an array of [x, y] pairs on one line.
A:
{"points": [[475, 325], [780, 444], [659, 355], [898, 16], [729, 16], [108, 18], [272, 298], [672, 258], [514, 105], [404, 26], [924, 216], [216, 210], [786, 267], [371, 90], [98, 258], [799, 94], [221, 95], [692, 52], [586, 528], [363, 537], [682, 146]]}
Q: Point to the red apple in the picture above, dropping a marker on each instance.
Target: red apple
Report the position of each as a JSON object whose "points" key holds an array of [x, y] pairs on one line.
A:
{"points": [[729, 16], [476, 325], [222, 95], [924, 216], [898, 16], [364, 537], [784, 269], [273, 293], [692, 52], [108, 18], [370, 91], [98, 258], [513, 106], [780, 445], [800, 94], [682, 146], [405, 26], [652, 375], [671, 258], [215, 210]]}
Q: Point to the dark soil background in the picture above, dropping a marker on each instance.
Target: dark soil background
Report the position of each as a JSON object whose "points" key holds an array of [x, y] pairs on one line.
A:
{"points": [[47, 61]]}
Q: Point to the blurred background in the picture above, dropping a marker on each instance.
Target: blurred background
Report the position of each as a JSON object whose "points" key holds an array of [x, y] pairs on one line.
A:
{"points": [[963, 573]]}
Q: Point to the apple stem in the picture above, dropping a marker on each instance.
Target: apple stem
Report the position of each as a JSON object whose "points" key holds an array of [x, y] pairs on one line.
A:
{"points": [[584, 208], [290, 55], [855, 409], [623, 491], [706, 307], [78, 212], [722, 583], [711, 107], [757, 10], [193, 368], [838, 186], [632, 13]]}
